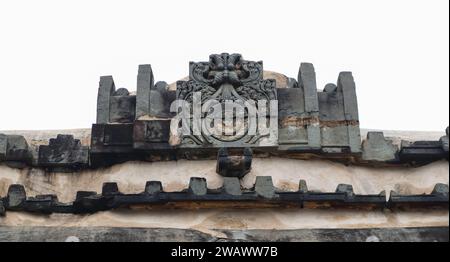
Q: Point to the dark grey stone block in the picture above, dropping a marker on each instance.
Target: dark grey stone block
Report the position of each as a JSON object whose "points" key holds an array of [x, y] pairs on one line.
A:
{"points": [[3, 147], [345, 188], [299, 113], [197, 186], [232, 186], [2, 208], [302, 186], [129, 234], [16, 196], [377, 148], [151, 134], [110, 188], [114, 106], [421, 152], [145, 82], [347, 85], [153, 187], [82, 194], [64, 151], [444, 141], [105, 91], [122, 108], [17, 149], [264, 187], [307, 81], [440, 189], [237, 164], [339, 120]]}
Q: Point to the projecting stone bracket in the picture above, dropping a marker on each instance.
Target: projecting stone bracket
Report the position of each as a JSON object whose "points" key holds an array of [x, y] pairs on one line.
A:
{"points": [[234, 164]]}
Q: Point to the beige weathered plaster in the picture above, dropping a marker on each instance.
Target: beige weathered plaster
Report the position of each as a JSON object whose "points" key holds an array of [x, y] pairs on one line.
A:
{"points": [[320, 175]]}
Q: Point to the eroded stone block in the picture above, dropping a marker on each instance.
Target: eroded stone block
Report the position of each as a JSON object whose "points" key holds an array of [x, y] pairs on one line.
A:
{"points": [[14, 148], [232, 186], [234, 165], [114, 106], [152, 134], [153, 187], [377, 148], [2, 209], [444, 141], [440, 189], [302, 186], [16, 196], [346, 189], [264, 186], [3, 147], [64, 151], [197, 186], [110, 189]]}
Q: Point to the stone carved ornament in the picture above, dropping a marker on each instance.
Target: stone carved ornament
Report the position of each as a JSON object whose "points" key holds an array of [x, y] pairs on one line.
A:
{"points": [[227, 78]]}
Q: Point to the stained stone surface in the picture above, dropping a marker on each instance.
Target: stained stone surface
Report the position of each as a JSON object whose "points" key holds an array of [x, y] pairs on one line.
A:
{"points": [[445, 142], [128, 234], [377, 148], [14, 148], [264, 186], [229, 165], [197, 186], [153, 187], [64, 151], [232, 186], [16, 196]]}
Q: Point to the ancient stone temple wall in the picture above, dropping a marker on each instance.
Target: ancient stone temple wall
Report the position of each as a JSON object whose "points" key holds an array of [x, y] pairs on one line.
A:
{"points": [[295, 160]]}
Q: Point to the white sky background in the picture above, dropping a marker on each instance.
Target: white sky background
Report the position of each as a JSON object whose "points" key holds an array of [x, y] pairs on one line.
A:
{"points": [[53, 52]]}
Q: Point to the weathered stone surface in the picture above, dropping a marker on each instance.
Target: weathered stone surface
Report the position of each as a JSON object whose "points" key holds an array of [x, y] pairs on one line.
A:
{"points": [[2, 208], [299, 113], [114, 106], [421, 152], [344, 188], [16, 149], [302, 186], [264, 186], [16, 196], [82, 194], [444, 140], [3, 147], [153, 187], [151, 134], [234, 165], [111, 144], [110, 188], [105, 91], [64, 151], [440, 189], [307, 81], [145, 82], [227, 77], [122, 107], [232, 186], [197, 186], [377, 148], [339, 119], [130, 234]]}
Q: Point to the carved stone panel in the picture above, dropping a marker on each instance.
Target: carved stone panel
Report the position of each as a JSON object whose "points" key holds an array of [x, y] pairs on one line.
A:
{"points": [[228, 78]]}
